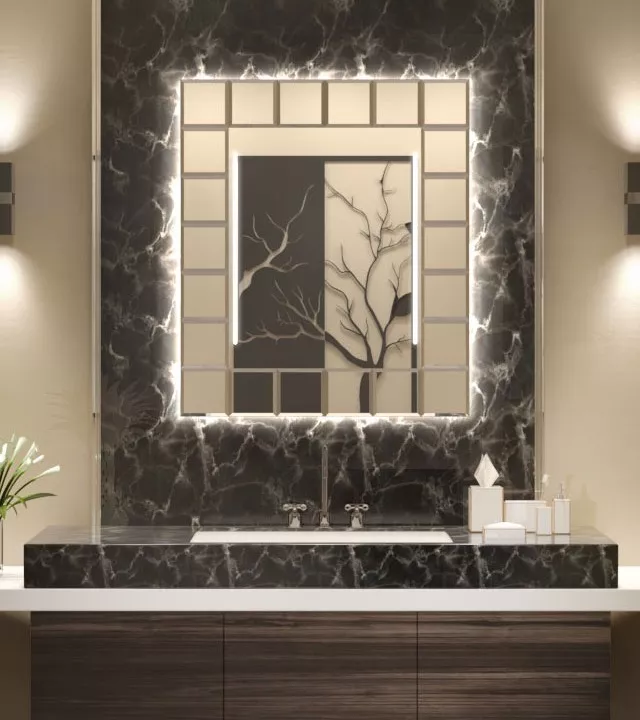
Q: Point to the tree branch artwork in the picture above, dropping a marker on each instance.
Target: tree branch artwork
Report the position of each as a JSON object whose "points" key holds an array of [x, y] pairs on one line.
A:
{"points": [[385, 240], [367, 332], [273, 257]]}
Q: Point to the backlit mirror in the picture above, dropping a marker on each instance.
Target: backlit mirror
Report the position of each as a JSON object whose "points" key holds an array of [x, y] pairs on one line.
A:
{"points": [[325, 247]]}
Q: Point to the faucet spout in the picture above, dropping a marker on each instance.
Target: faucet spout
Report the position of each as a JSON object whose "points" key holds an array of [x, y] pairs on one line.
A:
{"points": [[324, 506]]}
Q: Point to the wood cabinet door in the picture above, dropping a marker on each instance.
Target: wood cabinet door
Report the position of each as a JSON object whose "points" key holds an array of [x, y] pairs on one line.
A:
{"points": [[507, 666], [307, 666], [126, 666]]}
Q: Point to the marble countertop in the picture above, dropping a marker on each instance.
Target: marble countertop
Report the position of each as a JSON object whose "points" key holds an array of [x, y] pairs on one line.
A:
{"points": [[156, 557], [181, 535], [15, 598]]}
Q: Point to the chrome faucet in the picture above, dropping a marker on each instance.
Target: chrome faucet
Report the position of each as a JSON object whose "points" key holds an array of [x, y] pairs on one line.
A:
{"points": [[357, 511], [324, 506], [294, 511]]}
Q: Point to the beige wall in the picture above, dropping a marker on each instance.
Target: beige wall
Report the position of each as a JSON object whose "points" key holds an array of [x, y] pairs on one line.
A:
{"points": [[592, 285], [45, 291], [592, 274], [45, 277]]}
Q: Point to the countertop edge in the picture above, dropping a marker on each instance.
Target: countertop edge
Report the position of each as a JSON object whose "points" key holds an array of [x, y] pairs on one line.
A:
{"points": [[15, 598]]}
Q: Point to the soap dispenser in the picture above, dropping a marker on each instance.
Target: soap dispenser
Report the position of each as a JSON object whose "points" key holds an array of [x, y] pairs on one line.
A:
{"points": [[561, 513]]}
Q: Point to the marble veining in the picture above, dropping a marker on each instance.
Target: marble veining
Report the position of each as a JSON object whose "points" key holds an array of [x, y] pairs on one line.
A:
{"points": [[163, 557], [158, 468]]}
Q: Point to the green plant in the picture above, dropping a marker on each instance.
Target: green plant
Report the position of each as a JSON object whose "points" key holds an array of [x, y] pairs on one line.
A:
{"points": [[16, 468]]}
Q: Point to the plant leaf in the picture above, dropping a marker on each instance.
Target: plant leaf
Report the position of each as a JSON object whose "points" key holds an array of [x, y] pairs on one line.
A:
{"points": [[11, 483], [14, 475], [22, 487], [16, 501], [401, 306], [35, 496]]}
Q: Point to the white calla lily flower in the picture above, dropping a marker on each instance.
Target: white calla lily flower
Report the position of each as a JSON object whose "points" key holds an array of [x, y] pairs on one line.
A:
{"points": [[18, 446], [50, 471], [16, 476]]}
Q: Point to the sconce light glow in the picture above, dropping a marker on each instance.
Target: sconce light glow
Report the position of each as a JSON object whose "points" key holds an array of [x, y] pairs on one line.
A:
{"points": [[627, 119], [11, 278], [12, 120], [628, 274], [23, 85], [8, 129], [415, 240], [617, 312]]}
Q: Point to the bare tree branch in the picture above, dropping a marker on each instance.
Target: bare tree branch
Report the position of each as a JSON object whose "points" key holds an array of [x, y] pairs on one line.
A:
{"points": [[404, 240], [264, 333], [397, 271], [378, 247], [385, 217], [304, 318], [345, 270], [396, 343], [270, 260], [354, 329], [367, 234]]}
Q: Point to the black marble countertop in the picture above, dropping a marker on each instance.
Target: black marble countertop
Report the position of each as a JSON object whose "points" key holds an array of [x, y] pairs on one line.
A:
{"points": [[181, 535], [164, 557]]}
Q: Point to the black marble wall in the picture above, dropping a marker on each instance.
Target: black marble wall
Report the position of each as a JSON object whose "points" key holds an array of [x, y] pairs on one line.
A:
{"points": [[158, 468]]}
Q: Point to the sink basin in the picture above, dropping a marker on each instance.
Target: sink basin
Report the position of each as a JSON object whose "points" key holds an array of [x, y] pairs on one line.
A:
{"points": [[321, 537]]}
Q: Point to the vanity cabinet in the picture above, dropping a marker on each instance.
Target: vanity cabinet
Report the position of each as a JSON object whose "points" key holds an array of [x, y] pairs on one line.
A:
{"points": [[126, 666], [505, 666], [314, 666]]}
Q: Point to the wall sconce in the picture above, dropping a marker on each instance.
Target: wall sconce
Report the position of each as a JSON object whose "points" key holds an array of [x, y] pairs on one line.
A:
{"points": [[7, 199], [632, 198]]}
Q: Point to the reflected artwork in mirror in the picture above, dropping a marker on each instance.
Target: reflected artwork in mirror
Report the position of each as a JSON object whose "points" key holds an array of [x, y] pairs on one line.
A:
{"points": [[324, 285]]}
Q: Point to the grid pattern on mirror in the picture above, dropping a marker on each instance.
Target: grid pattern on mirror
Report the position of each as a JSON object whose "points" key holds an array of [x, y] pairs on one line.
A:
{"points": [[206, 114], [209, 108], [445, 246]]}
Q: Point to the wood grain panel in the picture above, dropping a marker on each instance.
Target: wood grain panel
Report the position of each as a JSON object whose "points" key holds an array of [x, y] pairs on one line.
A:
{"points": [[319, 666], [506, 666], [126, 666]]}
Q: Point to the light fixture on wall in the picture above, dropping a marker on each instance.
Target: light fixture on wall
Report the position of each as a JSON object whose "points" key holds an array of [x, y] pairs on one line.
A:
{"points": [[632, 198], [7, 200]]}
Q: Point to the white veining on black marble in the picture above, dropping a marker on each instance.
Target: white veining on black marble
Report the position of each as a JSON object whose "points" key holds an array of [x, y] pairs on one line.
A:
{"points": [[164, 558], [160, 469]]}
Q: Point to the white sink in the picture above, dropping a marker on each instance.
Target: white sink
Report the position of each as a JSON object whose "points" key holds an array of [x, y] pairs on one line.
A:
{"points": [[321, 537]]}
